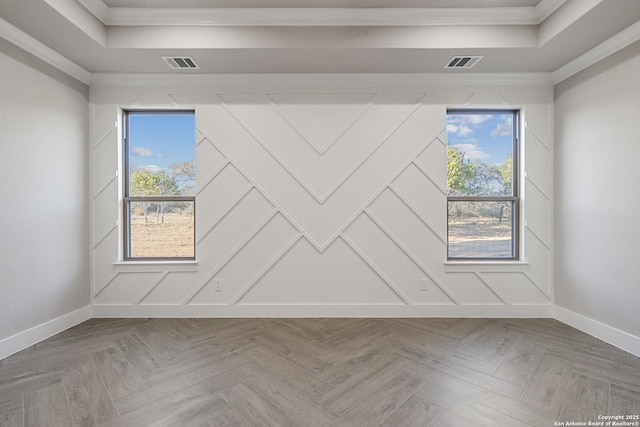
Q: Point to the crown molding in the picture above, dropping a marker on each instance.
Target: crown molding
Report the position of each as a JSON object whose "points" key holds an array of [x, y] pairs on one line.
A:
{"points": [[98, 8], [545, 8], [43, 52], [82, 18], [621, 40], [119, 16]]}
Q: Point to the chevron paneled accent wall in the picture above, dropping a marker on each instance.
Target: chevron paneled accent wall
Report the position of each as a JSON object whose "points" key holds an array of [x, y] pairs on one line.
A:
{"points": [[321, 197]]}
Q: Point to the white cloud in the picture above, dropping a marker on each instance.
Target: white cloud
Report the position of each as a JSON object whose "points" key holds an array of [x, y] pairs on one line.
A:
{"points": [[144, 152], [472, 151], [469, 119], [150, 168], [464, 131], [459, 130], [463, 125], [476, 119], [503, 129]]}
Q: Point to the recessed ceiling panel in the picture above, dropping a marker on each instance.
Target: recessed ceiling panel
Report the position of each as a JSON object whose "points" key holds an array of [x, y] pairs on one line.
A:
{"points": [[185, 4], [315, 49]]}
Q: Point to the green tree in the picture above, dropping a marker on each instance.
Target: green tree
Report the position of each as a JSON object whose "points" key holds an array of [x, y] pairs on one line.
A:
{"points": [[185, 175], [494, 180], [467, 178], [146, 183], [506, 173], [461, 173]]}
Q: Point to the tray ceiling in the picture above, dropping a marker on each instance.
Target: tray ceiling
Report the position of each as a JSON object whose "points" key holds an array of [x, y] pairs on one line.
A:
{"points": [[320, 36], [319, 3]]}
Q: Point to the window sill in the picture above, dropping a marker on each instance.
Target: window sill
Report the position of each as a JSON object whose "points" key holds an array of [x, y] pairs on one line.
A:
{"points": [[486, 266], [152, 266]]}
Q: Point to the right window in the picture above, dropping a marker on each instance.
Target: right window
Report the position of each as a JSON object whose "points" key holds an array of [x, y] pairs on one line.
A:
{"points": [[482, 184]]}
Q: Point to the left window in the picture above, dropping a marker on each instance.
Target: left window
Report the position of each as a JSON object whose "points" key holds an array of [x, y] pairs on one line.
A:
{"points": [[159, 185]]}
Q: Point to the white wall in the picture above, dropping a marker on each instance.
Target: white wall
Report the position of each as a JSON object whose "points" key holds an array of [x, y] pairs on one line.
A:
{"points": [[44, 263], [597, 205], [321, 195]]}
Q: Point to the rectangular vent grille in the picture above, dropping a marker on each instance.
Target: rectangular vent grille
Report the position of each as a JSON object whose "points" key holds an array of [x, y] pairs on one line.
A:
{"points": [[181, 62], [463, 61]]}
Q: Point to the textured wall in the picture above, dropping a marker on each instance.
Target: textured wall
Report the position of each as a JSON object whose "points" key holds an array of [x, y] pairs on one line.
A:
{"points": [[321, 195]]}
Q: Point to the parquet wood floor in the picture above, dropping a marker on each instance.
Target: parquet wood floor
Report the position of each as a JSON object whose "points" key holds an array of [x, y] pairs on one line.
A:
{"points": [[317, 372]]}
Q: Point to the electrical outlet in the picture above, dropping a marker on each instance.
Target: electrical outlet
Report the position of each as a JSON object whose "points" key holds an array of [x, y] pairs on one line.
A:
{"points": [[423, 285], [217, 285]]}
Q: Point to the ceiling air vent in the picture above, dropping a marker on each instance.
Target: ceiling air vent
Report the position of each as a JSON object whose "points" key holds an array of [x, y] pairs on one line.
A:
{"points": [[463, 61], [181, 62]]}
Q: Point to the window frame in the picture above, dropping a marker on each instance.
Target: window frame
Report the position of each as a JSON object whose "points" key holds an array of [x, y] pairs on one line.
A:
{"points": [[127, 199], [514, 199]]}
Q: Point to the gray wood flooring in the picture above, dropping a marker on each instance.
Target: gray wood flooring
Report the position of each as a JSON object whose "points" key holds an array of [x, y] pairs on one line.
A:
{"points": [[317, 372]]}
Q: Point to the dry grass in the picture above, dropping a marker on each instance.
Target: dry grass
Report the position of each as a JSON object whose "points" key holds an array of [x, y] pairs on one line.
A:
{"points": [[480, 237], [172, 236]]}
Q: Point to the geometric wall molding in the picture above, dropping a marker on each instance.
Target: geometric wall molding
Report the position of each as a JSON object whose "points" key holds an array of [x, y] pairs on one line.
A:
{"points": [[313, 199], [334, 115]]}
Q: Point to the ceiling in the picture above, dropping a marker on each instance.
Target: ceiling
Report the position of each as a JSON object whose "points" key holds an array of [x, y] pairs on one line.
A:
{"points": [[271, 36], [318, 3]]}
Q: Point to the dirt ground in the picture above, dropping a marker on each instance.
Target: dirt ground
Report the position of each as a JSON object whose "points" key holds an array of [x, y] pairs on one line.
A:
{"points": [[479, 237], [171, 238], [174, 237]]}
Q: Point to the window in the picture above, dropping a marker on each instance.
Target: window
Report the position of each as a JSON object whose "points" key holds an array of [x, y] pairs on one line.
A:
{"points": [[482, 185], [159, 185]]}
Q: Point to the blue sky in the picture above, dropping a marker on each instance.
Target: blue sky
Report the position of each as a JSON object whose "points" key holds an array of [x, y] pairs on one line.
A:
{"points": [[485, 137], [159, 140]]}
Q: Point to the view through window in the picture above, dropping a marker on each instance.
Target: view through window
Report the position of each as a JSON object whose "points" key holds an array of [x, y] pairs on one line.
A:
{"points": [[159, 202], [482, 203]]}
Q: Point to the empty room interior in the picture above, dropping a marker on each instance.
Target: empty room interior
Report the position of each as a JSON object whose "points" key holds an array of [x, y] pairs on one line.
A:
{"points": [[320, 213]]}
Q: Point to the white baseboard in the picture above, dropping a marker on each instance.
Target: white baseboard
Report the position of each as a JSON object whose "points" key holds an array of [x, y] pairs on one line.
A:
{"points": [[24, 339], [313, 311], [606, 333]]}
